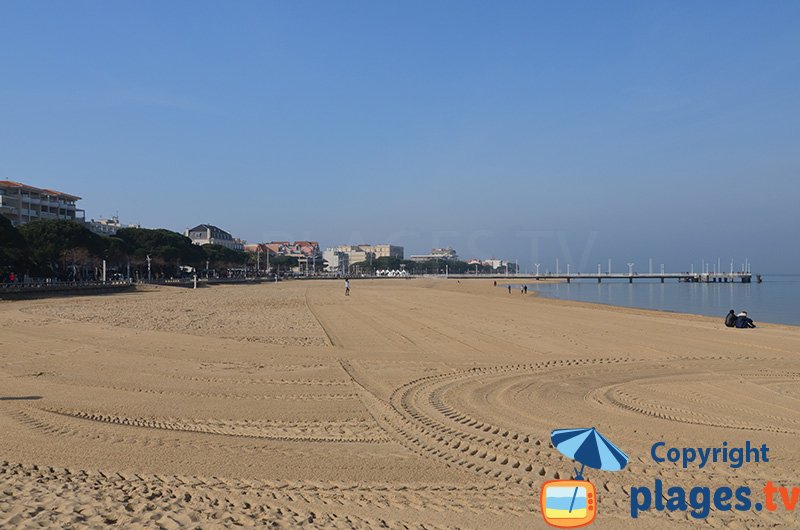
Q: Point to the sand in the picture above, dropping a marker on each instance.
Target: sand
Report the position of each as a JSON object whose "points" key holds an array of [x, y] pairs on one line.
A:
{"points": [[410, 404]]}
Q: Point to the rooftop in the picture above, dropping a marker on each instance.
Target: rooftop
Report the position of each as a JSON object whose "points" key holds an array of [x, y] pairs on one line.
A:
{"points": [[43, 191]]}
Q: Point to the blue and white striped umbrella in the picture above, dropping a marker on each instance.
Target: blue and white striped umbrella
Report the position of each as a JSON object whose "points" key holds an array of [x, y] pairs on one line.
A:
{"points": [[590, 448]]}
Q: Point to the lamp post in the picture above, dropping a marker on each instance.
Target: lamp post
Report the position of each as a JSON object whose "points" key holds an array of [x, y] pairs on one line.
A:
{"points": [[148, 267], [630, 269]]}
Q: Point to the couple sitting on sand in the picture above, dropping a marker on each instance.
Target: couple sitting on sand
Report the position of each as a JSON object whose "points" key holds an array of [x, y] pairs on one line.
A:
{"points": [[732, 320]]}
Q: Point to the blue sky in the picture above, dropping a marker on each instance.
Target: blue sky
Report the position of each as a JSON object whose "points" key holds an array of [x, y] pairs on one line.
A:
{"points": [[531, 131]]}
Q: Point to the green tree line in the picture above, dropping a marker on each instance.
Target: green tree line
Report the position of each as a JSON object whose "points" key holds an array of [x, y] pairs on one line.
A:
{"points": [[433, 266], [67, 250]]}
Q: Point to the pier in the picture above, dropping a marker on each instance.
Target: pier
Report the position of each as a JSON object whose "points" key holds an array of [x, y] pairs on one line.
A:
{"points": [[688, 277]]}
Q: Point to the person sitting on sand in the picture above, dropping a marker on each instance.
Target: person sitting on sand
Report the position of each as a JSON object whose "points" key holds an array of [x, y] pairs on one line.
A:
{"points": [[743, 321], [730, 318]]}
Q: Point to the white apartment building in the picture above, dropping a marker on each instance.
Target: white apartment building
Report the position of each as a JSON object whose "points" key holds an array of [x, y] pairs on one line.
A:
{"points": [[22, 204], [384, 250], [336, 260], [355, 254], [107, 227], [206, 234], [446, 254]]}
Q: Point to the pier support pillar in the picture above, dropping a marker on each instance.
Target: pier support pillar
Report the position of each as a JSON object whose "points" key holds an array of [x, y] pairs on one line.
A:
{"points": [[662, 280], [567, 280], [630, 280], [599, 280]]}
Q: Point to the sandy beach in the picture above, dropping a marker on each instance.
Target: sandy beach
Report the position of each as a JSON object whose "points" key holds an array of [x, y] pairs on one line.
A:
{"points": [[410, 404]]}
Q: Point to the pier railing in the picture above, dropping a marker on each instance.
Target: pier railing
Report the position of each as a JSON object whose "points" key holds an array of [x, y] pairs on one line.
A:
{"points": [[44, 288]]}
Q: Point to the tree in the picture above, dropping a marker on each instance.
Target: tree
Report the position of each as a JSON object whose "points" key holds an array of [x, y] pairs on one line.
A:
{"points": [[167, 249], [61, 248], [13, 248], [220, 256], [282, 262]]}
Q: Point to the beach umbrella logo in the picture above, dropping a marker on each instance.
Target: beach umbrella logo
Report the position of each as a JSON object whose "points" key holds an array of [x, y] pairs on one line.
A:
{"points": [[573, 503]]}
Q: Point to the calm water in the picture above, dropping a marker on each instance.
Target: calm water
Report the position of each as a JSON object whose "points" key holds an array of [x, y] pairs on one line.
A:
{"points": [[776, 300]]}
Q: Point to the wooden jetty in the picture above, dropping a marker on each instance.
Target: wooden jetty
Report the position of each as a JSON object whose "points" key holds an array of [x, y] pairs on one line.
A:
{"points": [[688, 277]]}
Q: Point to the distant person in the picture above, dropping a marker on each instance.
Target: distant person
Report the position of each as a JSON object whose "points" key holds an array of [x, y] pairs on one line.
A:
{"points": [[743, 321], [525, 289], [730, 319], [347, 287], [509, 289], [495, 283]]}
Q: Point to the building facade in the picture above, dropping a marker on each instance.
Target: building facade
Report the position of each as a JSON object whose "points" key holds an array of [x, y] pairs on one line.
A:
{"points": [[206, 234], [352, 255], [383, 251], [22, 204], [336, 260], [497, 265], [297, 249], [445, 254], [107, 227]]}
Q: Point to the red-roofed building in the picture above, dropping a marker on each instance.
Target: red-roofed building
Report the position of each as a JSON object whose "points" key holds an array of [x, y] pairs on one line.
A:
{"points": [[22, 204], [298, 249], [307, 253]]}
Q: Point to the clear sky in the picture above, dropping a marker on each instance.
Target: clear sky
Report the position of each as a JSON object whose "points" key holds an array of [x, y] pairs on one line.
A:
{"points": [[525, 130]]}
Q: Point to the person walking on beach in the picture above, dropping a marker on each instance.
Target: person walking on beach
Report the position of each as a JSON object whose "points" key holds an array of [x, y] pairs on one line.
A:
{"points": [[743, 321], [525, 289], [509, 289], [347, 287], [730, 319]]}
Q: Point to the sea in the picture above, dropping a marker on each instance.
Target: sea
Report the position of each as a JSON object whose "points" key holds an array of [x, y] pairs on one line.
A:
{"points": [[776, 299]]}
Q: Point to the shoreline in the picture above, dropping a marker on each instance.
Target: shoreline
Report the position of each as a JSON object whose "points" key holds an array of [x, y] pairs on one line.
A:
{"points": [[540, 296]]}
